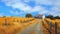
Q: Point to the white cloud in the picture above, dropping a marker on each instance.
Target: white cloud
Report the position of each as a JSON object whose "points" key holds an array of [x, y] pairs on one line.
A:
{"points": [[45, 2], [39, 9], [55, 10], [18, 5], [25, 7], [15, 12], [57, 4]]}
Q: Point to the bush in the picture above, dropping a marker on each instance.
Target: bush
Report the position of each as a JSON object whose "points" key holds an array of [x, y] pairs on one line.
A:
{"points": [[28, 15]]}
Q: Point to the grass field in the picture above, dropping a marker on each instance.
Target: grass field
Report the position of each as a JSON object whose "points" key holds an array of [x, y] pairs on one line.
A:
{"points": [[13, 25], [51, 26]]}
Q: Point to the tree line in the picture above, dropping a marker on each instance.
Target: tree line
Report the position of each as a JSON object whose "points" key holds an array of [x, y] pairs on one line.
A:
{"points": [[49, 16], [52, 17]]}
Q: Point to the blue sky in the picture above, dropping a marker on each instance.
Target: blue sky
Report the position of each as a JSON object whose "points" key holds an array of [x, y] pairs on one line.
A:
{"points": [[22, 7]]}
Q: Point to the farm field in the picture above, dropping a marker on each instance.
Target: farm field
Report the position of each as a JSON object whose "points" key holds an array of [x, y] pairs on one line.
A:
{"points": [[14, 25], [51, 26]]}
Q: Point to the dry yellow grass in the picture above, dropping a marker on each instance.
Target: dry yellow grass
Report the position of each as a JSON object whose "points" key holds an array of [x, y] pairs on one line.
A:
{"points": [[49, 25], [13, 25]]}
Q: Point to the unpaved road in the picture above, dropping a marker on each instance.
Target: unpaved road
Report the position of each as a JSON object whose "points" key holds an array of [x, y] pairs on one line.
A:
{"points": [[34, 28]]}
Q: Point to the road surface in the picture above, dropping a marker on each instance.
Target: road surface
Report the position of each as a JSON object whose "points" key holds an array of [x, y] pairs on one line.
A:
{"points": [[33, 28]]}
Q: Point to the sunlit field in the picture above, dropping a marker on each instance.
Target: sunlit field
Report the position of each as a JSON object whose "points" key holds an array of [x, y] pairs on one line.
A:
{"points": [[51, 26], [15, 25]]}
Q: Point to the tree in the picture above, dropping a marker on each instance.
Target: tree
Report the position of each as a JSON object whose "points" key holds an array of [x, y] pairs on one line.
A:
{"points": [[4, 16], [50, 16], [57, 17], [28, 15]]}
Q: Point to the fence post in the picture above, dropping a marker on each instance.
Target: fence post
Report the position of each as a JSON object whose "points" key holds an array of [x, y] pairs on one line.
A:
{"points": [[55, 28]]}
